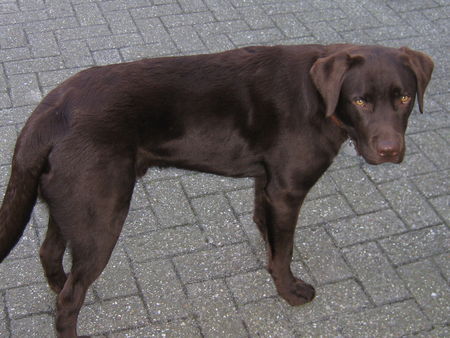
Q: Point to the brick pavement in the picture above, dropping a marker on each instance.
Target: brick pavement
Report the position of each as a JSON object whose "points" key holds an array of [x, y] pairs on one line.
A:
{"points": [[373, 240]]}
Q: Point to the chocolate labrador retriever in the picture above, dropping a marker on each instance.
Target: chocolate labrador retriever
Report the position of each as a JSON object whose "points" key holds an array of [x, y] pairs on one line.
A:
{"points": [[278, 114]]}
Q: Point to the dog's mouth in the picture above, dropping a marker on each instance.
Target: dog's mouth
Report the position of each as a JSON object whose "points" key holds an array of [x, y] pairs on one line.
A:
{"points": [[371, 156]]}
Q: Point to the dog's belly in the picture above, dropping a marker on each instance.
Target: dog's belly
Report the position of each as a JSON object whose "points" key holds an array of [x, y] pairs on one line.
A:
{"points": [[235, 161]]}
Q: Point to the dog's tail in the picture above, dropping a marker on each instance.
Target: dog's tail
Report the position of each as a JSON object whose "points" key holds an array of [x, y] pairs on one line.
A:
{"points": [[30, 157]]}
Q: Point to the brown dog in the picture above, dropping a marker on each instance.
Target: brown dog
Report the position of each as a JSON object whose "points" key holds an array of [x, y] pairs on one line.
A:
{"points": [[278, 114]]}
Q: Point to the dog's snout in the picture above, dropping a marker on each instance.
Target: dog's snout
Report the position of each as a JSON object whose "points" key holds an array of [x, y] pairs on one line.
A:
{"points": [[388, 148]]}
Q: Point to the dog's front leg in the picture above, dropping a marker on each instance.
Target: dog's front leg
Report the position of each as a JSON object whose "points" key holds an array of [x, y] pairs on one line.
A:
{"points": [[277, 211]]}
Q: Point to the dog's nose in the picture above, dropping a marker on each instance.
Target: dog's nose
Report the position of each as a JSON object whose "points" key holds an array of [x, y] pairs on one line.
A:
{"points": [[388, 149]]}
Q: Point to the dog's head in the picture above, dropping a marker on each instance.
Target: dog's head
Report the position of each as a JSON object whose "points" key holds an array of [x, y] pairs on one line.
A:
{"points": [[371, 90]]}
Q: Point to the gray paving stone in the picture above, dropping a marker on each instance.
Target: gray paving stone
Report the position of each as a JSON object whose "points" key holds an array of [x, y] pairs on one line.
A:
{"points": [[412, 245], [192, 5], [222, 9], [117, 278], [4, 175], [289, 25], [27, 245], [441, 205], [173, 329], [139, 221], [154, 11], [391, 320], [115, 41], [28, 300], [411, 5], [221, 27], [255, 17], [282, 7], [323, 32], [12, 36], [140, 199], [162, 291], [24, 89], [324, 187], [187, 19], [34, 65], [261, 36], [186, 39], [435, 148], [409, 203], [322, 14], [366, 227], [254, 237], [251, 286], [15, 54], [438, 332], [217, 220], [54, 77], [213, 307], [35, 326], [51, 24], [267, 318], [331, 300], [358, 190], [119, 314], [413, 164], [82, 32], [152, 30], [221, 262], [165, 243], [242, 201], [201, 184], [120, 22], [134, 53], [88, 14], [76, 53], [320, 255], [8, 135], [5, 100], [323, 328], [4, 332], [443, 261], [376, 274], [106, 57], [433, 184], [429, 289], [323, 210], [170, 203], [43, 44], [217, 43], [156, 173], [119, 5], [21, 272]]}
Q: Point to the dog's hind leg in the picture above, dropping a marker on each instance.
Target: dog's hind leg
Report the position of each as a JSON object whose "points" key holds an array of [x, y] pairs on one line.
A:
{"points": [[51, 254], [88, 204], [92, 242]]}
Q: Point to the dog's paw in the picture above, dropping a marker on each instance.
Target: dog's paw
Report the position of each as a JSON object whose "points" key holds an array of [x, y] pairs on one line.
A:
{"points": [[297, 292]]}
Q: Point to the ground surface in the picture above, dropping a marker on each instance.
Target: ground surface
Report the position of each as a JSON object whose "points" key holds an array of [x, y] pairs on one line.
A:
{"points": [[373, 240]]}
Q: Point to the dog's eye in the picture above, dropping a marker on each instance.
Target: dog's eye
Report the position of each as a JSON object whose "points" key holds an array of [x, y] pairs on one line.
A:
{"points": [[405, 99], [360, 102]]}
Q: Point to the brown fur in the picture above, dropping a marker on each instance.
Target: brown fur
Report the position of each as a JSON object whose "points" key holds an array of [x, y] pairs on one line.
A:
{"points": [[262, 112]]}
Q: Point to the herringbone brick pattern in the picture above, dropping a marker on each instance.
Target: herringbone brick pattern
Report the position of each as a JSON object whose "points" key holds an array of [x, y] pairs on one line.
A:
{"points": [[190, 262]]}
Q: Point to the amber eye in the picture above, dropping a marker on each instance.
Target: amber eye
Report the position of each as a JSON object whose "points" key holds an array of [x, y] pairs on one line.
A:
{"points": [[360, 102], [405, 99]]}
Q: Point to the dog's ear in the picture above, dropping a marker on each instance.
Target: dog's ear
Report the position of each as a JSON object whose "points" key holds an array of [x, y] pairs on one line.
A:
{"points": [[328, 73], [422, 66]]}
